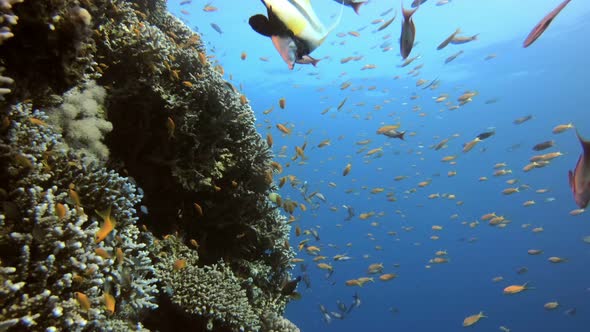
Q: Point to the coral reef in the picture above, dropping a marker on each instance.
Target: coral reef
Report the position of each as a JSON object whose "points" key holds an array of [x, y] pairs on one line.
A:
{"points": [[81, 120], [212, 291], [48, 234], [180, 132]]}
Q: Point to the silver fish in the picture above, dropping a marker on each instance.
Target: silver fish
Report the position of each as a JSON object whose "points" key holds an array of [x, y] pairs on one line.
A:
{"points": [[448, 40]]}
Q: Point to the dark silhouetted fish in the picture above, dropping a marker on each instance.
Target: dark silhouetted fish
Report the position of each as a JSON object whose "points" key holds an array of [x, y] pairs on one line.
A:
{"points": [[290, 286], [544, 145], [579, 179]]}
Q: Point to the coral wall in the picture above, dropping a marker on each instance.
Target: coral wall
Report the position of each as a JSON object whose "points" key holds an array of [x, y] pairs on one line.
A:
{"points": [[171, 152]]}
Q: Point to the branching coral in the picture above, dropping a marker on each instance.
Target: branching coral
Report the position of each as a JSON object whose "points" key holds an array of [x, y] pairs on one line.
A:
{"points": [[212, 292], [48, 229]]}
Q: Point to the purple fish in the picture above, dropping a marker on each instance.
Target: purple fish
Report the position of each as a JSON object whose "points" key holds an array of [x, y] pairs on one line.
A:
{"points": [[543, 25], [406, 40], [580, 178]]}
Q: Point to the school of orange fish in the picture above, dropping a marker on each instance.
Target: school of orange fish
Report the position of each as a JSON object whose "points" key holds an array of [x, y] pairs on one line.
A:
{"points": [[302, 212]]}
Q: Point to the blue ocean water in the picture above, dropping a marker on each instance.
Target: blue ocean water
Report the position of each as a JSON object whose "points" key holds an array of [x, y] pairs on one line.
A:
{"points": [[546, 80]]}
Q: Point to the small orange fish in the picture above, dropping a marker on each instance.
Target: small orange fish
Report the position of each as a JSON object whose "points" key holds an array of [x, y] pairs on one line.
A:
{"points": [[208, 8], [513, 289], [203, 58], [179, 264], [188, 84], [170, 127], [74, 197], [269, 140], [243, 56], [283, 129], [243, 100], [282, 103], [109, 301], [473, 319], [198, 210], [60, 210], [83, 300], [387, 276], [37, 122], [107, 226], [119, 255], [102, 253]]}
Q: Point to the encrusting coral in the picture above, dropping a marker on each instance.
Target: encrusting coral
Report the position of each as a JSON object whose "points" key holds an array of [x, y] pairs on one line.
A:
{"points": [[180, 132]]}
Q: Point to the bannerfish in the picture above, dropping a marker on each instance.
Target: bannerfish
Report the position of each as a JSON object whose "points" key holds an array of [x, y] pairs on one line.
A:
{"points": [[406, 40], [294, 28], [355, 5], [579, 179], [543, 25]]}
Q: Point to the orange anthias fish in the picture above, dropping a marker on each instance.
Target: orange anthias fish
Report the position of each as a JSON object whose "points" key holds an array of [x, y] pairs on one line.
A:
{"points": [[107, 226], [543, 25], [579, 179], [406, 40]]}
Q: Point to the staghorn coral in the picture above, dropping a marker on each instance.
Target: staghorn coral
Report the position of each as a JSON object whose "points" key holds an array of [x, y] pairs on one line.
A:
{"points": [[274, 323], [212, 292], [48, 243]]}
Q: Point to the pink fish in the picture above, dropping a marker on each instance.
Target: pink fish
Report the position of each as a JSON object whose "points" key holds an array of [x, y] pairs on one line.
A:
{"points": [[580, 178], [543, 25], [406, 40]]}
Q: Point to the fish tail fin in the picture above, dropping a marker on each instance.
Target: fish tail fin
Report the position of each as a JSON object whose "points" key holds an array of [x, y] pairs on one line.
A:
{"points": [[481, 315], [104, 214], [401, 136], [474, 37], [357, 5], [585, 143], [407, 13]]}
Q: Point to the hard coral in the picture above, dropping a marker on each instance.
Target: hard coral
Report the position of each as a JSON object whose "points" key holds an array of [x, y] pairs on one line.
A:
{"points": [[211, 292], [82, 120], [47, 242]]}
